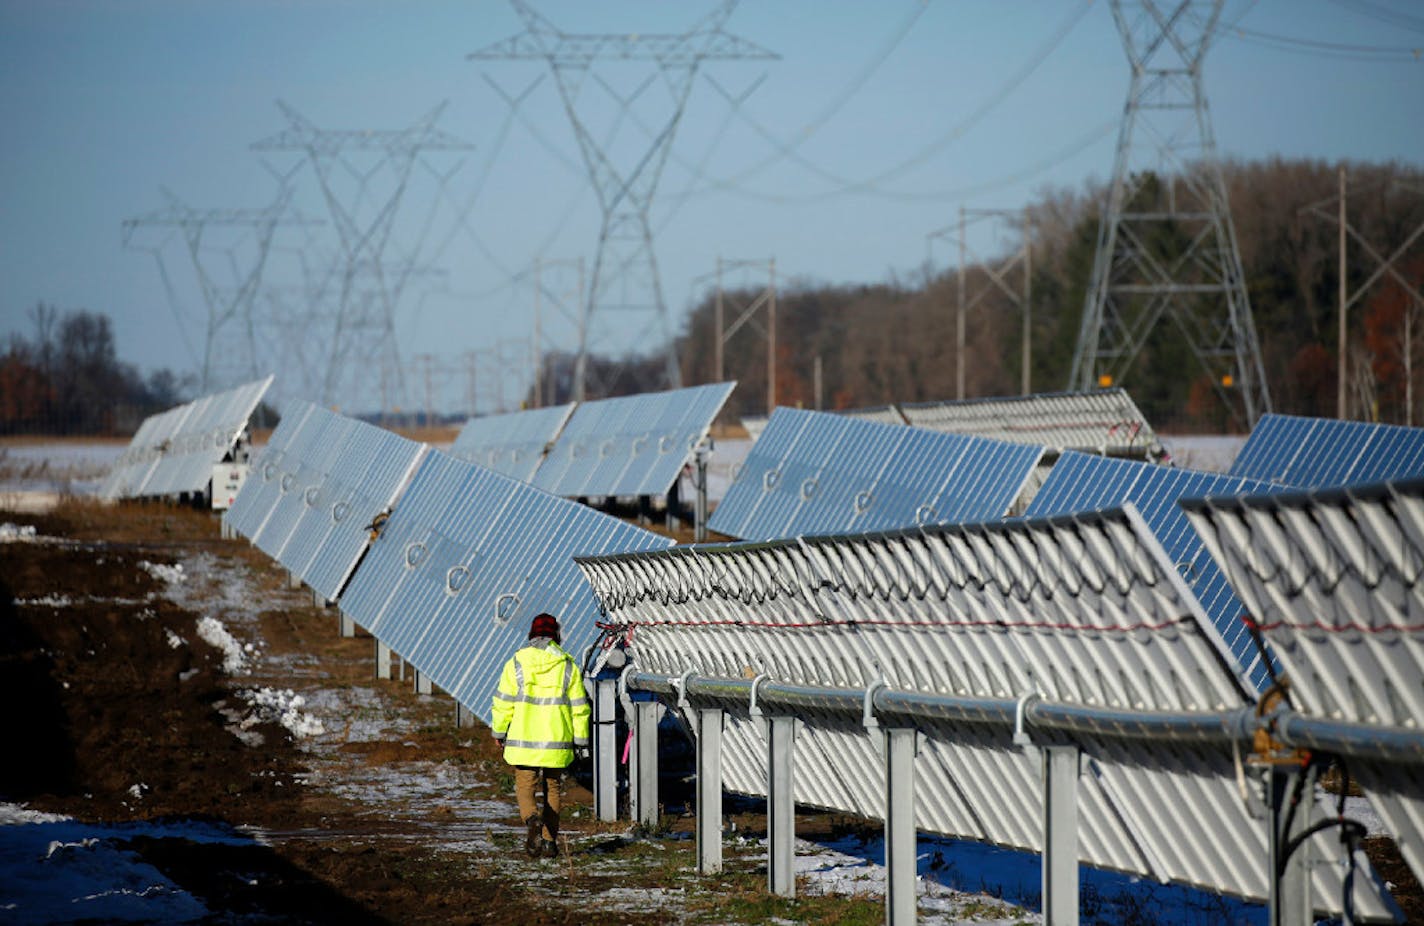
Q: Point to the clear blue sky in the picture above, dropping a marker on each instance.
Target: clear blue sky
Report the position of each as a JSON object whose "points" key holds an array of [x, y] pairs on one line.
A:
{"points": [[947, 102]]}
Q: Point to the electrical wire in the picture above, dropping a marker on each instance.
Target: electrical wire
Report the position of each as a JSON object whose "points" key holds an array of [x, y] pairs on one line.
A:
{"points": [[1382, 13], [871, 185]]}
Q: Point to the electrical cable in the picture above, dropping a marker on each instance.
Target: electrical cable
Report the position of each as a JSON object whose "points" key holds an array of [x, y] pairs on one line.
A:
{"points": [[1383, 14]]}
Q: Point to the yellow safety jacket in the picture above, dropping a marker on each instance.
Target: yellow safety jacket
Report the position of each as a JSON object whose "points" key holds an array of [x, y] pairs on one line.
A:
{"points": [[541, 710]]}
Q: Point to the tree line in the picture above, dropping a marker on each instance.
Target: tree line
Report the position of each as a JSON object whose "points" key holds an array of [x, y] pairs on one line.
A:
{"points": [[66, 378], [894, 341]]}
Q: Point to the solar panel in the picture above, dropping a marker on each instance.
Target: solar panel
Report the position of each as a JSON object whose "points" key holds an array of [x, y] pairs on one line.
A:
{"points": [[466, 559], [1085, 610], [1105, 422], [181, 446], [634, 445], [817, 473], [327, 480], [259, 492], [1318, 452], [513, 444], [1081, 482], [1333, 579]]}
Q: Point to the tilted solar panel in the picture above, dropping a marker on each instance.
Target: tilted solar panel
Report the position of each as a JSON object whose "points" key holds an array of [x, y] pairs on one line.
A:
{"points": [[466, 559], [1105, 421], [181, 446], [1080, 482], [1334, 579], [818, 473], [332, 477], [1319, 452], [259, 492], [513, 444], [635, 445]]}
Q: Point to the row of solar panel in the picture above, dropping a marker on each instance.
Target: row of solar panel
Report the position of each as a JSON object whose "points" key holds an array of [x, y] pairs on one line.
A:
{"points": [[633, 445], [443, 560], [814, 473], [1106, 421], [1087, 609], [174, 452]]}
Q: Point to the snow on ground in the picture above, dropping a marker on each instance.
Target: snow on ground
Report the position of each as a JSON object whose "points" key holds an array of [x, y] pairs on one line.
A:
{"points": [[1207, 452], [212, 631], [283, 707], [57, 870], [17, 533]]}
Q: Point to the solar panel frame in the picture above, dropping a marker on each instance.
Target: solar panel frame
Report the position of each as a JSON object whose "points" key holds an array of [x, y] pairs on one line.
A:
{"points": [[1333, 579], [816, 473], [257, 497], [629, 446], [1103, 421], [437, 584]]}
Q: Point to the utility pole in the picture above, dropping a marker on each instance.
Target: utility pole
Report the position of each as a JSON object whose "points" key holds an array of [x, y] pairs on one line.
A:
{"points": [[1166, 245], [625, 241], [997, 274], [1385, 265], [1340, 410], [766, 299]]}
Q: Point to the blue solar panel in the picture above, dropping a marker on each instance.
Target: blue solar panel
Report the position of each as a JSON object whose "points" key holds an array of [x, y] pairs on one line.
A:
{"points": [[635, 445], [816, 473], [467, 558], [512, 444], [1320, 452], [1081, 482]]}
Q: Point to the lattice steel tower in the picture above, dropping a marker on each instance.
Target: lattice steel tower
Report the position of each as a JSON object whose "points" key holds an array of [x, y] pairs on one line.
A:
{"points": [[368, 283], [1166, 245], [625, 193], [230, 342]]}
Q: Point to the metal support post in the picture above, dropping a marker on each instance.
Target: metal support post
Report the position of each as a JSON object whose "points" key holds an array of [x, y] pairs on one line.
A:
{"points": [[781, 806], [293, 580], [464, 717], [901, 855], [709, 790], [422, 682], [1060, 835], [383, 660], [346, 623], [1292, 792], [605, 749], [644, 768], [699, 504]]}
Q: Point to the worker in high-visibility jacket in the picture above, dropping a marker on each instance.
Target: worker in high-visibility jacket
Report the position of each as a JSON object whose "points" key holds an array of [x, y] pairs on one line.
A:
{"points": [[541, 715]]}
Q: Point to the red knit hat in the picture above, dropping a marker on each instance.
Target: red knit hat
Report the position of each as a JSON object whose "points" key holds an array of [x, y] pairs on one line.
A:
{"points": [[545, 625]]}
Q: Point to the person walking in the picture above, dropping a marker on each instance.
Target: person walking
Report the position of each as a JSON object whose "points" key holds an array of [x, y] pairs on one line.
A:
{"points": [[541, 717]]}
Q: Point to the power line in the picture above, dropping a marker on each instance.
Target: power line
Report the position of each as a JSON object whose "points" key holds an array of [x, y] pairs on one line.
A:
{"points": [[1382, 13]]}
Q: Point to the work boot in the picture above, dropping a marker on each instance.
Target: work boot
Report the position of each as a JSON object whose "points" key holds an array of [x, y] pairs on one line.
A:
{"points": [[536, 829], [551, 848]]}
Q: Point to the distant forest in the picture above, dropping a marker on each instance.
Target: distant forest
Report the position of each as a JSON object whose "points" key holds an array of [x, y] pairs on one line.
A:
{"points": [[66, 378], [893, 341]]}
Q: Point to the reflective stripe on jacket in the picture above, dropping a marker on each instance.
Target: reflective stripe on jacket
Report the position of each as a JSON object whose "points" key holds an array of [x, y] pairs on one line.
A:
{"points": [[541, 709]]}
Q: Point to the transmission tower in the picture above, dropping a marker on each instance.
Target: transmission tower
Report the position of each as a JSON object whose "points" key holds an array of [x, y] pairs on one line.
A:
{"points": [[1166, 245], [625, 193], [366, 286], [231, 334]]}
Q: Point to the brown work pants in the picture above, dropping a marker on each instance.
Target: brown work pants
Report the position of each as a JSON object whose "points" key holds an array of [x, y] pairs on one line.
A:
{"points": [[529, 782]]}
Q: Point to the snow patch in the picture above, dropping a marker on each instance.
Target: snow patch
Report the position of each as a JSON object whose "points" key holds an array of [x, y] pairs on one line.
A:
{"points": [[17, 533], [174, 641], [171, 575], [48, 601], [283, 707], [212, 632]]}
